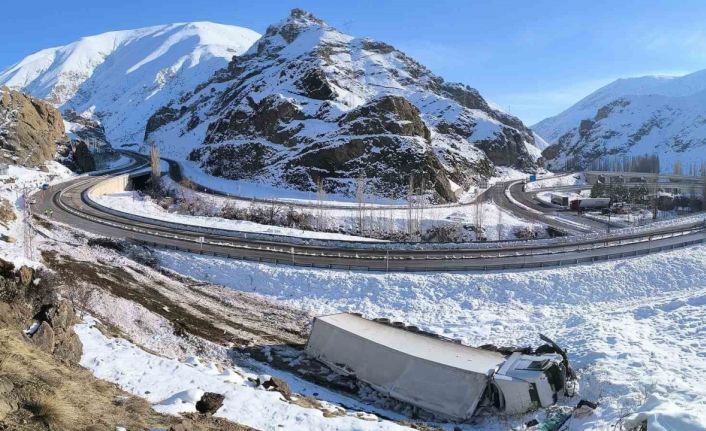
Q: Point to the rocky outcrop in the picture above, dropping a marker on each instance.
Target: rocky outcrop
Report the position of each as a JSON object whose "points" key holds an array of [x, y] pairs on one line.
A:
{"points": [[308, 105], [82, 157], [29, 129], [85, 129], [27, 302], [7, 211], [392, 115]]}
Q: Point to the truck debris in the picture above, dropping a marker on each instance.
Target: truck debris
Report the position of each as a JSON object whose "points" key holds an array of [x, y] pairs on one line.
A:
{"points": [[446, 378]]}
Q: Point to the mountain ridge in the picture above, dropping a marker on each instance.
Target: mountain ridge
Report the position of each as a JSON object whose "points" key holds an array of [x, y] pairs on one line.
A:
{"points": [[308, 103], [632, 117], [121, 77]]}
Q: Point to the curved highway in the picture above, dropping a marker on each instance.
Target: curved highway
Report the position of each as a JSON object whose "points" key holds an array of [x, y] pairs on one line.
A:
{"points": [[72, 205]]}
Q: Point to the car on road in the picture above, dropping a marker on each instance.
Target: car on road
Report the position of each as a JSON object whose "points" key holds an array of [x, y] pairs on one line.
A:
{"points": [[45, 186], [32, 201]]}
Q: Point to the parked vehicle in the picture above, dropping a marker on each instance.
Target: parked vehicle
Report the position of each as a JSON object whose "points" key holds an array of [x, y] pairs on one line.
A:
{"points": [[579, 204], [560, 199]]}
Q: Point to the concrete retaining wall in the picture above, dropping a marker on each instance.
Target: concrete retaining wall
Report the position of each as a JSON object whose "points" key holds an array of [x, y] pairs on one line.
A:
{"points": [[115, 184]]}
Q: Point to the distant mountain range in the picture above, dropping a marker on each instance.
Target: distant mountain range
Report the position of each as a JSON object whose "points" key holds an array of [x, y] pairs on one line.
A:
{"points": [[121, 78], [665, 116], [309, 104]]}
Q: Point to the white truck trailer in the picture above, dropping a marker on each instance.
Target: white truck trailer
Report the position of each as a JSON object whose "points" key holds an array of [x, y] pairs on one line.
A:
{"points": [[443, 377]]}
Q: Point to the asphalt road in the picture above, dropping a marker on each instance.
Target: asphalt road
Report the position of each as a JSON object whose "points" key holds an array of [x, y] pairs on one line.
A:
{"points": [[71, 206]]}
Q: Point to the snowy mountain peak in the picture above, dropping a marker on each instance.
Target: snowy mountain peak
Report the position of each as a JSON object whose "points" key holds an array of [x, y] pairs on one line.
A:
{"points": [[122, 77], [308, 103], [630, 117]]}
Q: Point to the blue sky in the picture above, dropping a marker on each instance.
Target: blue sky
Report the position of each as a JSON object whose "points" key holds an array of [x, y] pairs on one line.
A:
{"points": [[533, 58]]}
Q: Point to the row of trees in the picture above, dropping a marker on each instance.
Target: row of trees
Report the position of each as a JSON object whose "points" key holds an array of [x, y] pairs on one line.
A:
{"points": [[648, 163]]}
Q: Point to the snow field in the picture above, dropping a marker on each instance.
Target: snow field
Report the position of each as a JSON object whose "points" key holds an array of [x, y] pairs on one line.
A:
{"points": [[498, 223], [633, 328], [174, 386]]}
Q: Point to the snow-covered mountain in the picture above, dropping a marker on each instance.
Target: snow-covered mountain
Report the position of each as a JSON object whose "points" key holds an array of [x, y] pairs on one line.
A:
{"points": [[665, 116], [309, 103], [120, 78]]}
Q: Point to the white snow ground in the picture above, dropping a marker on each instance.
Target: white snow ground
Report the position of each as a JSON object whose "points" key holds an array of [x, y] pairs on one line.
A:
{"points": [[498, 223], [174, 386], [11, 188], [141, 205], [633, 328]]}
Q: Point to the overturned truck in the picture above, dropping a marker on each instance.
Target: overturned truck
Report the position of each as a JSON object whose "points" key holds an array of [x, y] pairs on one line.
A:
{"points": [[448, 379]]}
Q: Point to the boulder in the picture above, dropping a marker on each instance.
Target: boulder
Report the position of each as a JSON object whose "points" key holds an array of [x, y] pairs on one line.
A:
{"points": [[26, 275], [209, 403], [64, 316], [68, 346], [279, 385], [44, 338], [7, 211]]}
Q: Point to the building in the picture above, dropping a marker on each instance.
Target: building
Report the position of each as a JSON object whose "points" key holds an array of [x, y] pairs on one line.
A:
{"points": [[443, 377]]}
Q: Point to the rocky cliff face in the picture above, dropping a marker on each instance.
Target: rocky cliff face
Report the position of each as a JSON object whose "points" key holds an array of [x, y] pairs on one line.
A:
{"points": [[307, 103], [632, 117], [29, 129]]}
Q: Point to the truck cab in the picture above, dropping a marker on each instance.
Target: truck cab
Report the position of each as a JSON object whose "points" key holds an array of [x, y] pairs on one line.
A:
{"points": [[528, 382]]}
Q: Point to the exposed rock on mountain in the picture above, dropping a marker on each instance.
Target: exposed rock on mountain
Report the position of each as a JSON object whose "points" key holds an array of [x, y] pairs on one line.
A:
{"points": [[121, 78], [29, 129], [308, 103], [84, 129], [631, 117]]}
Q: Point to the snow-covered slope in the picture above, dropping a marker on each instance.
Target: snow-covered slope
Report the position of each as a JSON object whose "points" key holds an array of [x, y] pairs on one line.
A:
{"points": [[122, 77], [307, 102], [636, 116]]}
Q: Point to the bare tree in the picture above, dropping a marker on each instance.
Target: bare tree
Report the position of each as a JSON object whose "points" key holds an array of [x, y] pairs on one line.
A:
{"points": [[320, 199], [360, 199], [500, 223], [479, 219], [410, 207]]}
